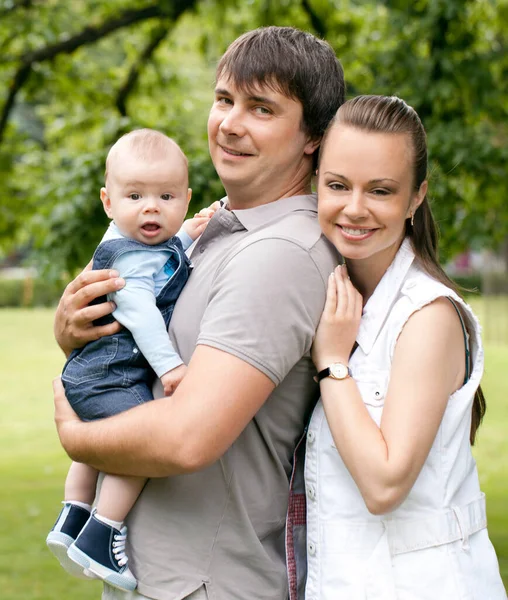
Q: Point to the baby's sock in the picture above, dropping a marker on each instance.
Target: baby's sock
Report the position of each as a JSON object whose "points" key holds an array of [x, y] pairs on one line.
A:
{"points": [[110, 522]]}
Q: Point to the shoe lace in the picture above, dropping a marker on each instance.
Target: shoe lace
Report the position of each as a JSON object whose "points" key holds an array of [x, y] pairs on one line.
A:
{"points": [[119, 549]]}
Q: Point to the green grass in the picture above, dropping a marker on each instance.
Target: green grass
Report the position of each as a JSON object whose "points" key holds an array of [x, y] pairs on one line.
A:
{"points": [[33, 467]]}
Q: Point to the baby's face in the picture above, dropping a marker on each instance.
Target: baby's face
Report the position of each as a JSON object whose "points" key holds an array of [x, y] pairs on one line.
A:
{"points": [[147, 199]]}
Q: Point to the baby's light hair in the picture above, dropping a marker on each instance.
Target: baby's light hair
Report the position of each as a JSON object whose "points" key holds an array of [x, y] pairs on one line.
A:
{"points": [[145, 144]]}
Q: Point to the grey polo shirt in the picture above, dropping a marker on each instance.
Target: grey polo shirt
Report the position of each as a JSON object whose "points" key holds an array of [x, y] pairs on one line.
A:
{"points": [[257, 291]]}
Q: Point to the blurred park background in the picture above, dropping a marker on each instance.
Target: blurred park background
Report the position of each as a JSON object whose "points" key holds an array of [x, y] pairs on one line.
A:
{"points": [[76, 75]]}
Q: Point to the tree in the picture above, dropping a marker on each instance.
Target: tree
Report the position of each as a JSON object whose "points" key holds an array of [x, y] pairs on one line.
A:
{"points": [[77, 75]]}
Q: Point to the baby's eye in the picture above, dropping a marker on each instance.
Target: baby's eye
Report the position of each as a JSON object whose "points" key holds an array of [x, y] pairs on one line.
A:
{"points": [[166, 196], [134, 196]]}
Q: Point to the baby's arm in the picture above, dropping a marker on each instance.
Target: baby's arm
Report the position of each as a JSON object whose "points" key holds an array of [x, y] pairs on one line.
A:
{"points": [[137, 311], [194, 227]]}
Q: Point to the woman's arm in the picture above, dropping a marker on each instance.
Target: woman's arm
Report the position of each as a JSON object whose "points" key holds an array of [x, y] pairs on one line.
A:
{"points": [[73, 326], [428, 366]]}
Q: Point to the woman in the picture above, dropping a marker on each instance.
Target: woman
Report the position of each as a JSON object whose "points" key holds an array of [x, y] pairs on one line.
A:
{"points": [[394, 505]]}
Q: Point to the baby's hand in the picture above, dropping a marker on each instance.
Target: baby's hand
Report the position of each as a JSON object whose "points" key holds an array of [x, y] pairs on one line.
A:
{"points": [[171, 379], [194, 227]]}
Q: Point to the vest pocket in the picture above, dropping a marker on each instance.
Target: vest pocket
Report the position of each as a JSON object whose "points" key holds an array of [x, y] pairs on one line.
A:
{"points": [[373, 385], [91, 363]]}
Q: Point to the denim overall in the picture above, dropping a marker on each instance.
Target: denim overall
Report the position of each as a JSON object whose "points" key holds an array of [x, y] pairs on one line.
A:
{"points": [[111, 375]]}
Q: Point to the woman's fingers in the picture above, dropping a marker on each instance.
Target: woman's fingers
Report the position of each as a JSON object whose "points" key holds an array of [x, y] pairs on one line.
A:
{"points": [[342, 294], [331, 296]]}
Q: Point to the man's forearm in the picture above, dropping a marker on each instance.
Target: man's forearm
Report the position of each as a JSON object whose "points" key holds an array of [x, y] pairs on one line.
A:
{"points": [[179, 434], [129, 443]]}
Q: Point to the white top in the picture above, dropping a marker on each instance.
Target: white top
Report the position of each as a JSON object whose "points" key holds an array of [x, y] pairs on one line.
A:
{"points": [[434, 545], [145, 275]]}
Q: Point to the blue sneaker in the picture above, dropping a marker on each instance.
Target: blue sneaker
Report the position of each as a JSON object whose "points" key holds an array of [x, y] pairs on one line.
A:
{"points": [[70, 522], [100, 549]]}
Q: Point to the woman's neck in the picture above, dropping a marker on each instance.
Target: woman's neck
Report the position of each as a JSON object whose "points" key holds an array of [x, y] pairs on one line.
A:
{"points": [[366, 273]]}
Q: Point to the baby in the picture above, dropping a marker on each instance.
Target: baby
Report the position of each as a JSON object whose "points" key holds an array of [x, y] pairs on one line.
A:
{"points": [[146, 195]]}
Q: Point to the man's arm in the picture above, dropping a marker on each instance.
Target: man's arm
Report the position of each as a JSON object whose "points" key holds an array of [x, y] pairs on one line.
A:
{"points": [[187, 431]]}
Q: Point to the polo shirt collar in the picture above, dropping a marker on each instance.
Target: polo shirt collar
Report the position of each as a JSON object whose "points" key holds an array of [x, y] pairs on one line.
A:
{"points": [[380, 303], [258, 216]]}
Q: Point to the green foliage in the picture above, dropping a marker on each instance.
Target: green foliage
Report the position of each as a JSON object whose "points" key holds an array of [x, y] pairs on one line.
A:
{"points": [[97, 69]]}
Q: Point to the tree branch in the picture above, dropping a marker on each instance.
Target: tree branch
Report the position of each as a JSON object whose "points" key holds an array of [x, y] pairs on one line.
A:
{"points": [[85, 37], [316, 21], [169, 9], [132, 78]]}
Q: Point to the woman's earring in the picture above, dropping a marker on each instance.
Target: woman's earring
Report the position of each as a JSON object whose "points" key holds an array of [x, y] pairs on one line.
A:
{"points": [[412, 219]]}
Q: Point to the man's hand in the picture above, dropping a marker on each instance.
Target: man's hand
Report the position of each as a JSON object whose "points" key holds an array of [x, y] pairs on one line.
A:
{"points": [[73, 325], [65, 418], [171, 379]]}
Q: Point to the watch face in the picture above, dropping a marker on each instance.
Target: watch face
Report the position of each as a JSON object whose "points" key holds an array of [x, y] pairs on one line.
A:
{"points": [[338, 371]]}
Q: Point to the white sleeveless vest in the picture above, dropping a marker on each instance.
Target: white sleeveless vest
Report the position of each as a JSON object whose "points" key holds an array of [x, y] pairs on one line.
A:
{"points": [[434, 546]]}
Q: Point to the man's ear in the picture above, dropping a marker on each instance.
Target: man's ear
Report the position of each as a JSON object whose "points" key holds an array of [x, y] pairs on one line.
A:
{"points": [[106, 202], [312, 145]]}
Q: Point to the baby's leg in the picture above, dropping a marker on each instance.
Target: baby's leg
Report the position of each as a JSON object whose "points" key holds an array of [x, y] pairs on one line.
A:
{"points": [[79, 495], [101, 545], [81, 483], [118, 495]]}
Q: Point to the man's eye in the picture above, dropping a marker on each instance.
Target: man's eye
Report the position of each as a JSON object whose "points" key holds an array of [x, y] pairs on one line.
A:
{"points": [[262, 110], [224, 100], [134, 196], [166, 196]]}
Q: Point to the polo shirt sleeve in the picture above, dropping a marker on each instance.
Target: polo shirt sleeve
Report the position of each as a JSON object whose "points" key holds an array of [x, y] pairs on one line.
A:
{"points": [[264, 306]]}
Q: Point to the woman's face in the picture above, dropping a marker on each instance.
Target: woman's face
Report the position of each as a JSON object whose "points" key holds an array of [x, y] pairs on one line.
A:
{"points": [[365, 192]]}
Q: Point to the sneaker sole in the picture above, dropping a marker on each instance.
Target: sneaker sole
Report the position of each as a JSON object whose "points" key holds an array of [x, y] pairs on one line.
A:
{"points": [[58, 544], [116, 580]]}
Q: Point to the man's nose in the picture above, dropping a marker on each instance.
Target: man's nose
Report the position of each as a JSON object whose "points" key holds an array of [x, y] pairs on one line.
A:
{"points": [[233, 122]]}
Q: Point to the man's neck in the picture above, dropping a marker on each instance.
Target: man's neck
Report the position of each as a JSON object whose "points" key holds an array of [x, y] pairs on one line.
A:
{"points": [[241, 199]]}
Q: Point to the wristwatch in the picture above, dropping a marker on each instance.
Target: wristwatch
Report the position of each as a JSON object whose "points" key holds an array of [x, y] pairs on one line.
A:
{"points": [[335, 371]]}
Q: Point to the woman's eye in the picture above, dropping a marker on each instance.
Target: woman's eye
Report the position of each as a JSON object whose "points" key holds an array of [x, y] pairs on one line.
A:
{"points": [[336, 187], [166, 196], [380, 192], [134, 196]]}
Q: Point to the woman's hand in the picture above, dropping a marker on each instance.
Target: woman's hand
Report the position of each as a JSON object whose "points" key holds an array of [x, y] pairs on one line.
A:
{"points": [[73, 325], [338, 327]]}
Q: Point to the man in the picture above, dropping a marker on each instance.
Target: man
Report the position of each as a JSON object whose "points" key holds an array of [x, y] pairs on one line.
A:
{"points": [[211, 521]]}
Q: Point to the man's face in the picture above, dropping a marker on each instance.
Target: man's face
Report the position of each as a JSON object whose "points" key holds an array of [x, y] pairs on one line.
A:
{"points": [[257, 144]]}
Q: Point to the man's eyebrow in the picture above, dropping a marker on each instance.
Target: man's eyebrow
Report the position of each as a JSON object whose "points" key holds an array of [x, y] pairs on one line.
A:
{"points": [[252, 98], [222, 92]]}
